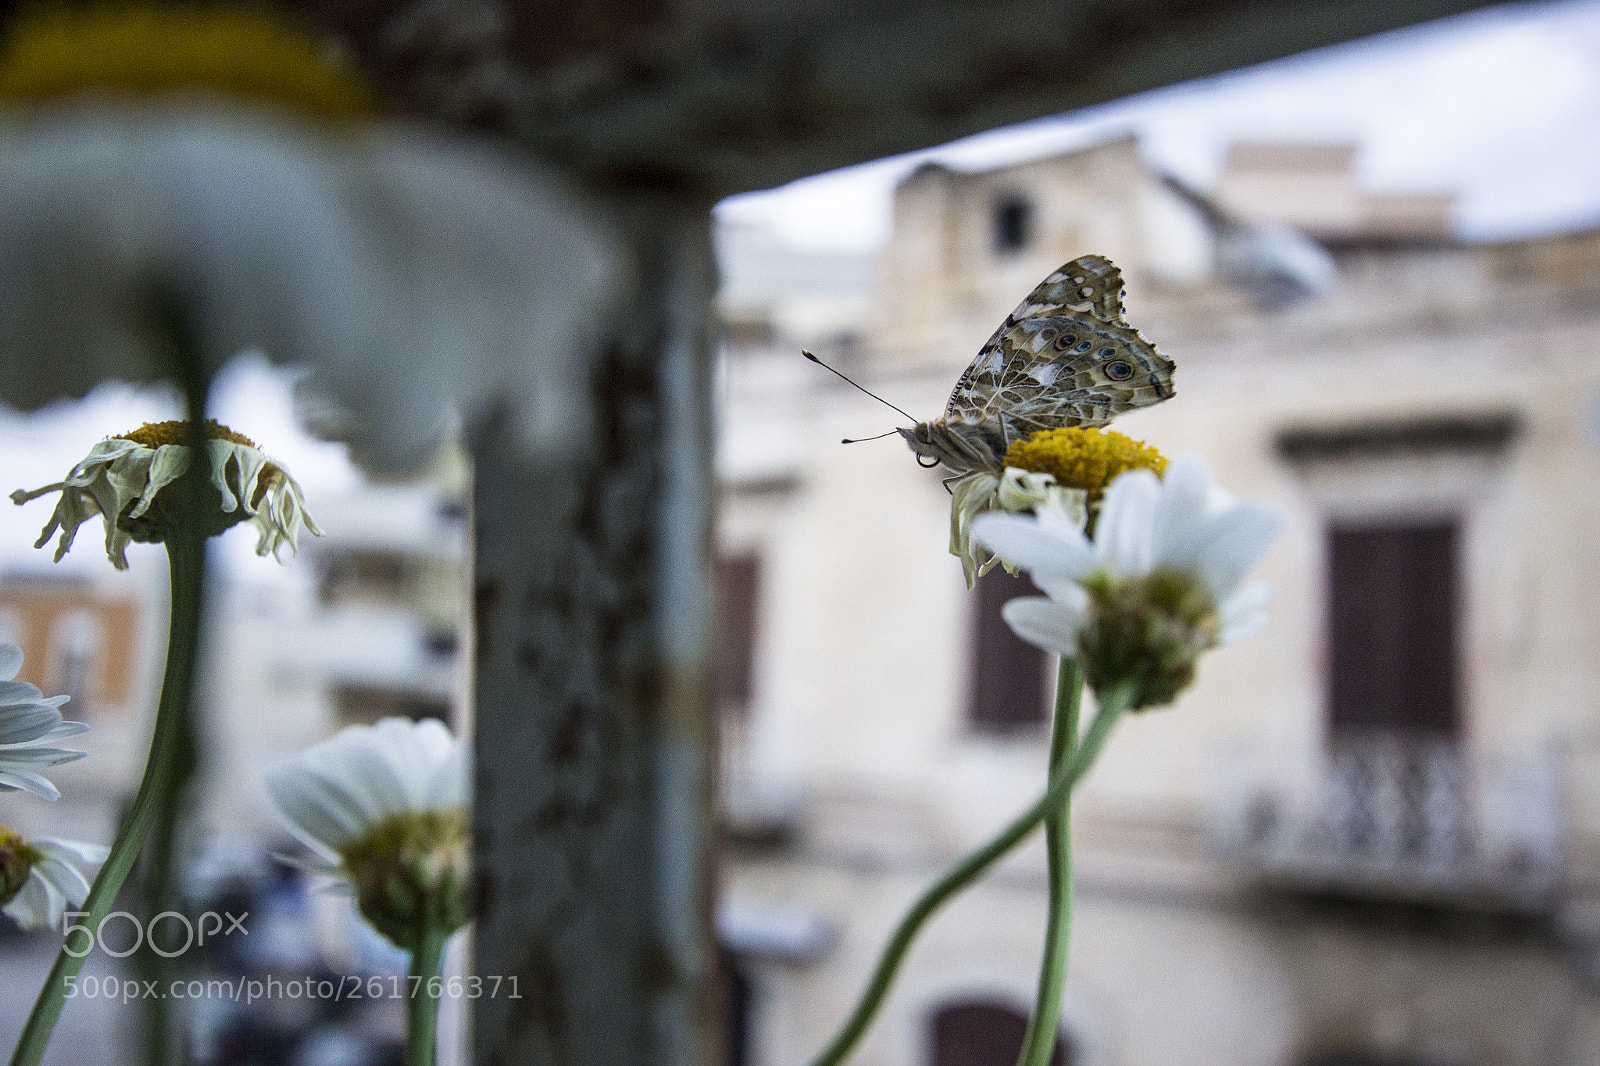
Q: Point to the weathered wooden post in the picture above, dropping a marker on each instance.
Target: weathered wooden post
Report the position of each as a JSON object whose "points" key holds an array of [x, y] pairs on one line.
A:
{"points": [[592, 746]]}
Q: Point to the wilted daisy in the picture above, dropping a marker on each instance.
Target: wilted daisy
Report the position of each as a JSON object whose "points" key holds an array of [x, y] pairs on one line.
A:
{"points": [[1065, 470], [28, 724], [38, 878], [122, 480], [384, 808], [1159, 584]]}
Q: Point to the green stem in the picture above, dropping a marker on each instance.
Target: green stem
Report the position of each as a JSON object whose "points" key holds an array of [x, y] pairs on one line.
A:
{"points": [[1113, 705], [1040, 1041], [157, 873], [169, 740], [422, 1006]]}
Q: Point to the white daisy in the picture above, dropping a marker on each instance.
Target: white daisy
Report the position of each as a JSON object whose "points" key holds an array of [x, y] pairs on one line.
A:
{"points": [[28, 723], [38, 878], [122, 478], [384, 808], [1159, 583]]}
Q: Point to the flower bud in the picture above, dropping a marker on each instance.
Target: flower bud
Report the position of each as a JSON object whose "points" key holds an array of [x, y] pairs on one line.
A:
{"points": [[411, 872], [1148, 632]]}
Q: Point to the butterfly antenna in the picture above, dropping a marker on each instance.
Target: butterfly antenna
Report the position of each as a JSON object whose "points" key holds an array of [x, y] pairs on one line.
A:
{"points": [[869, 392], [863, 440]]}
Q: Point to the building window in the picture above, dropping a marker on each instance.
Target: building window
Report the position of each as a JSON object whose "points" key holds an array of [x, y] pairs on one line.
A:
{"points": [[984, 1034], [1013, 224], [1008, 674], [736, 583], [1392, 625]]}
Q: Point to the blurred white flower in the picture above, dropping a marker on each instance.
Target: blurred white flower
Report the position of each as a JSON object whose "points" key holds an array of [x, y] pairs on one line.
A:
{"points": [[415, 274], [1159, 583], [384, 808], [38, 878], [28, 723], [122, 479]]}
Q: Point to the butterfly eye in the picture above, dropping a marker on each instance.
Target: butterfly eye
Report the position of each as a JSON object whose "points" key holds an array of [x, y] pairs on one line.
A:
{"points": [[1119, 370], [1065, 341]]}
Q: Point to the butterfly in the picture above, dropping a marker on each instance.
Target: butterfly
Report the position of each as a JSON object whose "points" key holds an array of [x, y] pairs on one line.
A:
{"points": [[1064, 357]]}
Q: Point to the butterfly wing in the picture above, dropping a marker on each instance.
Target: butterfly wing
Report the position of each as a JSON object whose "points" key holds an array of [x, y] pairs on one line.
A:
{"points": [[1090, 285], [1065, 357]]}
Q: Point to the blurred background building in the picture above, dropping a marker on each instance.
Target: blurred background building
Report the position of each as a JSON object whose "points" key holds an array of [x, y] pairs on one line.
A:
{"points": [[1369, 834]]}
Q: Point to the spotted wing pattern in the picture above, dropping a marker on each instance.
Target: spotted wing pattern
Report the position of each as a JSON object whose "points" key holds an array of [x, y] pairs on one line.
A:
{"points": [[1065, 357]]}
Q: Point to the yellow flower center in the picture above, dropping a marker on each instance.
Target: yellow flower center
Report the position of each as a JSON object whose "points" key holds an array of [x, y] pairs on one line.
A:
{"points": [[141, 48], [1086, 459], [16, 859], [156, 434]]}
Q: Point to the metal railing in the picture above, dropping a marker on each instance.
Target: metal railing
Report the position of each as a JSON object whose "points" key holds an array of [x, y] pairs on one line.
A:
{"points": [[1398, 817]]}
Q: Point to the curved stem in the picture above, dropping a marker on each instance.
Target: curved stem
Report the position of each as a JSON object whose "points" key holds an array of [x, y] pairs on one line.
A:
{"points": [[422, 1006], [1112, 706], [169, 740], [1040, 1041]]}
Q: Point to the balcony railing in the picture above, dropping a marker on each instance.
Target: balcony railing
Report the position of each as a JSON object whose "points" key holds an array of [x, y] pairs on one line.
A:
{"points": [[1386, 816]]}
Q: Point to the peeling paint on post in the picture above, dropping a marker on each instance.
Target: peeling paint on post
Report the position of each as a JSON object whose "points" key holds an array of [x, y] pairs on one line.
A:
{"points": [[593, 739]]}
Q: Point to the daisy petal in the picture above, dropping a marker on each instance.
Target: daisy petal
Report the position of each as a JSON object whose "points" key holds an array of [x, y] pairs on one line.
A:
{"points": [[67, 850], [66, 729], [1185, 496], [1244, 612], [1122, 539], [20, 724], [1041, 550], [1044, 623], [1234, 542], [19, 780], [303, 809], [72, 885], [30, 907], [18, 693]]}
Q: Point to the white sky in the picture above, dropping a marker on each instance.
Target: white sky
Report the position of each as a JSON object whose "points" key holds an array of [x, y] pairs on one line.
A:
{"points": [[1501, 106]]}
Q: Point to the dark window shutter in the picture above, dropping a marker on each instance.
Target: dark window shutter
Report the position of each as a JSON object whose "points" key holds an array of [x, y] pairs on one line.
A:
{"points": [[1008, 674], [736, 583], [983, 1034], [1392, 627]]}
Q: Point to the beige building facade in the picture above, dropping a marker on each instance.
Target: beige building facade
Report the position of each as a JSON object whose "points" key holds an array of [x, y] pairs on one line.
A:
{"points": [[1371, 832]]}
